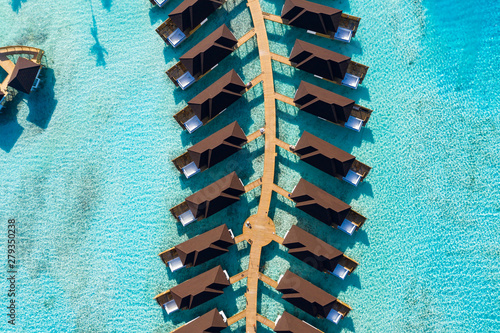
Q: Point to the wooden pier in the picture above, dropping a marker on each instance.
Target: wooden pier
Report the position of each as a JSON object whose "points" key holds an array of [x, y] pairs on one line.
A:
{"points": [[259, 229]]}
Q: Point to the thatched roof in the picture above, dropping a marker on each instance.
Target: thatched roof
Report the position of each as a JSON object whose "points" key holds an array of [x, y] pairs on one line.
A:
{"points": [[312, 250], [305, 295], [210, 322], [311, 16], [323, 155], [216, 196], [319, 204], [218, 96], [24, 75], [291, 324], [319, 61], [323, 103], [200, 289], [210, 51], [190, 13], [200, 249], [218, 146]]}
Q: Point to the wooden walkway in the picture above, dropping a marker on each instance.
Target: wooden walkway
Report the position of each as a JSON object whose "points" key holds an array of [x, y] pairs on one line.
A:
{"points": [[237, 317], [253, 136], [280, 58], [283, 145], [281, 191], [240, 276], [267, 280], [284, 99], [265, 321], [245, 38], [261, 231], [252, 185]]}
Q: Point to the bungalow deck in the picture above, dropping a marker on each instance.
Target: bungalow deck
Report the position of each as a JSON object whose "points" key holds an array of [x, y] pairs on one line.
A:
{"points": [[348, 22], [168, 27], [168, 255], [176, 71], [356, 218], [179, 209]]}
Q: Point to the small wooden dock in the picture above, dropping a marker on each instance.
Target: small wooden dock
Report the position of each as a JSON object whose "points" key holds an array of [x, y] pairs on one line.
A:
{"points": [[168, 27], [179, 209], [168, 255], [349, 22], [358, 70], [181, 161], [176, 71]]}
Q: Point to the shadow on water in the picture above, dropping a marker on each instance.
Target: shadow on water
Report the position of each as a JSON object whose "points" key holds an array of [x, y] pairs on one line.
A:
{"points": [[16, 5], [10, 130], [42, 103], [106, 4], [158, 15], [97, 49]]}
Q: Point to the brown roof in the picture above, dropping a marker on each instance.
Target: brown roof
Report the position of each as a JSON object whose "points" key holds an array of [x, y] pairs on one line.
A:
{"points": [[305, 295], [216, 196], [323, 155], [218, 96], [218, 146], [312, 250], [311, 16], [210, 322], [206, 246], [24, 75], [190, 13], [200, 289], [210, 51], [323, 103], [291, 324], [319, 204], [320, 61]]}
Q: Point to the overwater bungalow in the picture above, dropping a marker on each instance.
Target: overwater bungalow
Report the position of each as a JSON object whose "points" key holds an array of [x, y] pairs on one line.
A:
{"points": [[325, 207], [211, 322], [203, 57], [311, 299], [330, 159], [24, 78], [185, 19], [210, 200], [211, 102], [329, 106], [317, 253], [212, 150], [320, 19], [195, 291], [199, 249], [326, 64], [286, 323]]}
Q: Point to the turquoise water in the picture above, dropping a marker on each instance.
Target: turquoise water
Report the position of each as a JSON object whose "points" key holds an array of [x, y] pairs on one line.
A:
{"points": [[87, 172]]}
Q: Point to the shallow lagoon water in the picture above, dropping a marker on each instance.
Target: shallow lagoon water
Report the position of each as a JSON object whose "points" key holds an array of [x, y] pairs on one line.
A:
{"points": [[87, 172]]}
